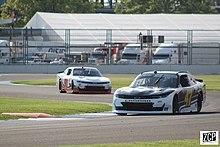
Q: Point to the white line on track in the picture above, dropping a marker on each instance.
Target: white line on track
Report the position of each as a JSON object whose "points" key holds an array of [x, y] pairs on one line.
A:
{"points": [[66, 117], [10, 83]]}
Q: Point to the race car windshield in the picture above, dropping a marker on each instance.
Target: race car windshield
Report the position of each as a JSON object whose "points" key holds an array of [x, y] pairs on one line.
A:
{"points": [[86, 72], [156, 80]]}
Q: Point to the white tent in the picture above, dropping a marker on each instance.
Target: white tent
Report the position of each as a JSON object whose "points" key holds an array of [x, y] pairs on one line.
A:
{"points": [[92, 28]]}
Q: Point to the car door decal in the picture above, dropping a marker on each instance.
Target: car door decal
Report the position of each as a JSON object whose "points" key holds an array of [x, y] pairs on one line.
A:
{"points": [[188, 97], [65, 82]]}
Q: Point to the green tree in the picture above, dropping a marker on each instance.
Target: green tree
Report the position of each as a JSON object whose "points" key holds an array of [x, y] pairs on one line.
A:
{"points": [[165, 6], [25, 9], [197, 6], [132, 6]]}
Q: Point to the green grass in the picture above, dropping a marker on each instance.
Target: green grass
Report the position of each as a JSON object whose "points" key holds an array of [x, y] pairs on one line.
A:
{"points": [[165, 143], [118, 82], [212, 81], [36, 82], [59, 108]]}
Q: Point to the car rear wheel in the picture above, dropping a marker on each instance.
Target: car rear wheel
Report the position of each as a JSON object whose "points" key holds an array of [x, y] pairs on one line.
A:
{"points": [[175, 105], [61, 90], [199, 103]]}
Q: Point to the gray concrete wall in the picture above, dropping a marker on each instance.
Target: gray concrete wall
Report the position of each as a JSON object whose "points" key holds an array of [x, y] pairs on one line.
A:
{"points": [[203, 69]]}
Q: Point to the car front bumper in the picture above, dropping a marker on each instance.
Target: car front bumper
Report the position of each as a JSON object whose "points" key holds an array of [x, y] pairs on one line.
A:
{"points": [[159, 105], [92, 89]]}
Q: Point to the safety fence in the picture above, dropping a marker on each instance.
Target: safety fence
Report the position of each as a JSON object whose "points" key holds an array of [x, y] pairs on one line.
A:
{"points": [[109, 46]]}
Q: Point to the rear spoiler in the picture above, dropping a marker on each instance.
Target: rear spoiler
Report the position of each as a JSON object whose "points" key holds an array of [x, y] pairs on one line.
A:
{"points": [[199, 80]]}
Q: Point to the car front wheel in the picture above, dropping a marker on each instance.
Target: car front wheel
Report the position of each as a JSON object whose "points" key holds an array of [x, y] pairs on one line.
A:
{"points": [[61, 90], [175, 105], [199, 103]]}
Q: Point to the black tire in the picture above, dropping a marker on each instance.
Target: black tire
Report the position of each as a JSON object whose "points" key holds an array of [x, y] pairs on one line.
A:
{"points": [[73, 87], [199, 103], [175, 105], [61, 88], [122, 114]]}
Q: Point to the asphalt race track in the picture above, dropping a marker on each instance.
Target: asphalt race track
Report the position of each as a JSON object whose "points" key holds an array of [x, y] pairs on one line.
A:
{"points": [[97, 130]]}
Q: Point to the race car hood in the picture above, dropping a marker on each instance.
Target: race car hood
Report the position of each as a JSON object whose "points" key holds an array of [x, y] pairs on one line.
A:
{"points": [[91, 79], [144, 91]]}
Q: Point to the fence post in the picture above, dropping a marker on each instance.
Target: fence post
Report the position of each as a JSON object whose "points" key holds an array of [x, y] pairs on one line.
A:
{"points": [[25, 46], [189, 46], [149, 46], [219, 53], [109, 44], [67, 43]]}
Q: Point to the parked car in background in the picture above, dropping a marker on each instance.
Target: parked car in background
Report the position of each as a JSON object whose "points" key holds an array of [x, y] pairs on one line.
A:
{"points": [[160, 92], [83, 80]]}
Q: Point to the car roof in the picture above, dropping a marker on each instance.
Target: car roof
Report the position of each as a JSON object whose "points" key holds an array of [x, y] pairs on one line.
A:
{"points": [[165, 72], [83, 68]]}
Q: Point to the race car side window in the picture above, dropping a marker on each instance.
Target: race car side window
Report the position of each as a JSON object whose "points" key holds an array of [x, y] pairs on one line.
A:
{"points": [[184, 81], [65, 71], [69, 71], [191, 80]]}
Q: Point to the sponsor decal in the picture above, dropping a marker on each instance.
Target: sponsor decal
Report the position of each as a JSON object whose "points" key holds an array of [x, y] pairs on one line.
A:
{"points": [[209, 138], [95, 85], [138, 101], [56, 50], [188, 97], [165, 109], [67, 83]]}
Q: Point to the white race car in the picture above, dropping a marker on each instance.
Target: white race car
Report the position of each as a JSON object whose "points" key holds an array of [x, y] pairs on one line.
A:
{"points": [[160, 92], [83, 80]]}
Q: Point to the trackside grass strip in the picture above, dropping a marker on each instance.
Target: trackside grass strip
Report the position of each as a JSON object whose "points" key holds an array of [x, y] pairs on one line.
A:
{"points": [[117, 82], [165, 143], [36, 82], [53, 107], [212, 81]]}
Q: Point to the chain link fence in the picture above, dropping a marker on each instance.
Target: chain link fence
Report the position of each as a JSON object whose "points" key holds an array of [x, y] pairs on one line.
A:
{"points": [[109, 46]]}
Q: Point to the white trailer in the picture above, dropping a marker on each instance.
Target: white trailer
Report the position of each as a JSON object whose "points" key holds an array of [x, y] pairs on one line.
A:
{"points": [[133, 54], [4, 52], [38, 52], [183, 53], [170, 53]]}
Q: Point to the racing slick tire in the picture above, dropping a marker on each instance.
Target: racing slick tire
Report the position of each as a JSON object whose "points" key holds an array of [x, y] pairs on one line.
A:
{"points": [[73, 92], [175, 105], [61, 87], [199, 103]]}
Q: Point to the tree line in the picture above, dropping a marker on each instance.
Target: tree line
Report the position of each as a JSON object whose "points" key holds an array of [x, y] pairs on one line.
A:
{"points": [[24, 10], [166, 6]]}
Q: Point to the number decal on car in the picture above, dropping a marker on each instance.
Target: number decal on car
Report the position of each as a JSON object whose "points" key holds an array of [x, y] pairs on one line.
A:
{"points": [[188, 97], [65, 82]]}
